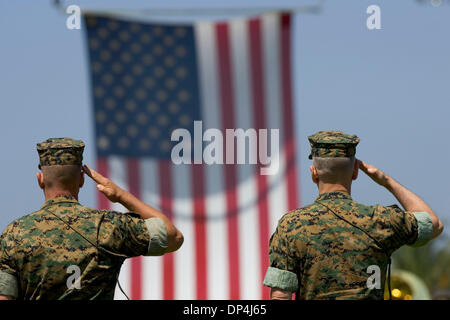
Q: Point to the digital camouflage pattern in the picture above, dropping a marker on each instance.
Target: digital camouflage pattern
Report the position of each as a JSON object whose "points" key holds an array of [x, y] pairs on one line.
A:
{"points": [[39, 248], [329, 256], [332, 144], [60, 151]]}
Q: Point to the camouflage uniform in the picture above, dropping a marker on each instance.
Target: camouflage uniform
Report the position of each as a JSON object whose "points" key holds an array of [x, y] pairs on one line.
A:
{"points": [[324, 250], [38, 250]]}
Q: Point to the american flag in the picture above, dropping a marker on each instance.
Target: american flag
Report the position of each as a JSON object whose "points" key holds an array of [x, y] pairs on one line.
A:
{"points": [[147, 80]]}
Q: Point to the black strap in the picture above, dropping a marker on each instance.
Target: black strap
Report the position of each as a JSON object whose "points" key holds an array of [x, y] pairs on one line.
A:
{"points": [[386, 252], [100, 249]]}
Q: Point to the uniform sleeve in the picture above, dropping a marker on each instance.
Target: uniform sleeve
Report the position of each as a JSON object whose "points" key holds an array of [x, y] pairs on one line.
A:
{"points": [[158, 237], [8, 273], [409, 228], [134, 236], [281, 273], [424, 228]]}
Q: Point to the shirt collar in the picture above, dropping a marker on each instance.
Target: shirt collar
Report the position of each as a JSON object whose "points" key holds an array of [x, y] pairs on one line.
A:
{"points": [[59, 199], [333, 196]]}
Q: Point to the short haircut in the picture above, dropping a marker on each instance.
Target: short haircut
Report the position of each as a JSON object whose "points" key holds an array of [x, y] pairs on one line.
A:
{"points": [[334, 170], [62, 176]]}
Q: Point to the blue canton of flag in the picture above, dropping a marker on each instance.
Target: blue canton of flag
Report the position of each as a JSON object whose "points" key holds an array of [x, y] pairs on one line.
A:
{"points": [[142, 85]]}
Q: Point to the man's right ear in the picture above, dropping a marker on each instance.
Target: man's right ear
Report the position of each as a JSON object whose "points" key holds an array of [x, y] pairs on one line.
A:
{"points": [[40, 180], [355, 170], [314, 175]]}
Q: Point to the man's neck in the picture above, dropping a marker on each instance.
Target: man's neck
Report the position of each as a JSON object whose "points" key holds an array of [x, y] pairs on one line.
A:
{"points": [[330, 187], [50, 194]]}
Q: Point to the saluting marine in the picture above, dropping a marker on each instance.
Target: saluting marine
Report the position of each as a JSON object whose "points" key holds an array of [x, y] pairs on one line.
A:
{"points": [[38, 252], [329, 249]]}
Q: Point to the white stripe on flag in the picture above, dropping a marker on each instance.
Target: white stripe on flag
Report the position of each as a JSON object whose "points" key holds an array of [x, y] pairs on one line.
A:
{"points": [[271, 55], [217, 264], [185, 275], [247, 221], [151, 266]]}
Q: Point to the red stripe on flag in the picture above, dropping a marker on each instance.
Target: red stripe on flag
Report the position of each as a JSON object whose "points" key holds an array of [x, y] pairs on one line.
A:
{"points": [[227, 107], [198, 194], [102, 168], [134, 186], [288, 112], [166, 193], [259, 118]]}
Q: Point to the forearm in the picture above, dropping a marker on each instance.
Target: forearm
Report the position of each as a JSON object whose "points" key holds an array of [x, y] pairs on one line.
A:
{"points": [[135, 205], [2, 297], [412, 202], [408, 199], [174, 236], [116, 194]]}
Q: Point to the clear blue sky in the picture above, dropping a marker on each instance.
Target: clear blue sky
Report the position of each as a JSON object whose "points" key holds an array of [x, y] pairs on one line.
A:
{"points": [[389, 86]]}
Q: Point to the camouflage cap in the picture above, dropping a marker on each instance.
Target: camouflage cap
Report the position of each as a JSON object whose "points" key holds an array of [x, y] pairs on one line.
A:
{"points": [[60, 151], [332, 144]]}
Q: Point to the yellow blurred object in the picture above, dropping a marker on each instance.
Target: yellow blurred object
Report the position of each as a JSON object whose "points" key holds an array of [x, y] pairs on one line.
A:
{"points": [[396, 293], [407, 286]]}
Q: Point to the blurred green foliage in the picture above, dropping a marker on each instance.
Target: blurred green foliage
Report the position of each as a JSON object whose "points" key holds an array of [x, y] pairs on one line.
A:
{"points": [[430, 262]]}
